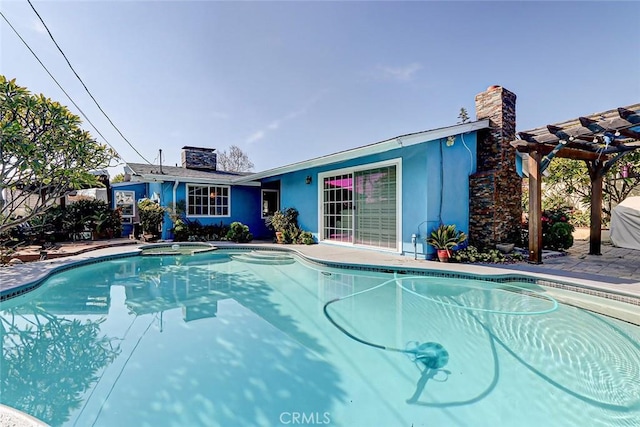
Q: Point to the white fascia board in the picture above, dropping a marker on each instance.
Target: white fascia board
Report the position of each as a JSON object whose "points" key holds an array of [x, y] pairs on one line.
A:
{"points": [[379, 147], [431, 135], [124, 183], [213, 181]]}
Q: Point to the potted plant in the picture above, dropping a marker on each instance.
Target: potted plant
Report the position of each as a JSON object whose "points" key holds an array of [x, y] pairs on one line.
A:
{"points": [[444, 238], [100, 222], [284, 223]]}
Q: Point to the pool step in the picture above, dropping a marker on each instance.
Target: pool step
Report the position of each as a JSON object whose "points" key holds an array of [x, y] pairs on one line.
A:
{"points": [[265, 257]]}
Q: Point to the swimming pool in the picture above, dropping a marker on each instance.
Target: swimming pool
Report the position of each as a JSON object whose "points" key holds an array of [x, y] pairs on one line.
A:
{"points": [[228, 338]]}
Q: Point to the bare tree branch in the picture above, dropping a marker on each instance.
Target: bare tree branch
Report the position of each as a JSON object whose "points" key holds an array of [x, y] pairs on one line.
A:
{"points": [[234, 161]]}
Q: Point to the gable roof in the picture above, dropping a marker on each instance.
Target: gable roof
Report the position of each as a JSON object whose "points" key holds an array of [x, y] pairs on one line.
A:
{"points": [[146, 172], [375, 148]]}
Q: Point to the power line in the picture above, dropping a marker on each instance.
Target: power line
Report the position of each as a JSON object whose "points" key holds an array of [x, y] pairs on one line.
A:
{"points": [[57, 83], [84, 85]]}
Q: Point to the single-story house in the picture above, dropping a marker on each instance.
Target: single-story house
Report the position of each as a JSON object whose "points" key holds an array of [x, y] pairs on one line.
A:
{"points": [[385, 196]]}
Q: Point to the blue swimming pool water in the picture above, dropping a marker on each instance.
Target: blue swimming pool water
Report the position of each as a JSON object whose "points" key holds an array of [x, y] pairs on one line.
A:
{"points": [[209, 340]]}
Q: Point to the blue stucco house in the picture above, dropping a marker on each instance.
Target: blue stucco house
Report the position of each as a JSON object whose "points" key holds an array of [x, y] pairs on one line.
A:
{"points": [[385, 196]]}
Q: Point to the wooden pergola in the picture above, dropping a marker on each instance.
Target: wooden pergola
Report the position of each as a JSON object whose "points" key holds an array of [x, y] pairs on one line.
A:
{"points": [[600, 140]]}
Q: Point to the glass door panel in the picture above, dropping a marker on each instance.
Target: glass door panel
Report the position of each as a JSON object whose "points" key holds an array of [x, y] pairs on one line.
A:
{"points": [[375, 201], [338, 208]]}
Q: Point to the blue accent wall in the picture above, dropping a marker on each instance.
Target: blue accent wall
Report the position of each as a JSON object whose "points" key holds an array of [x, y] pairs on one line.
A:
{"points": [[296, 193], [435, 188], [245, 208]]}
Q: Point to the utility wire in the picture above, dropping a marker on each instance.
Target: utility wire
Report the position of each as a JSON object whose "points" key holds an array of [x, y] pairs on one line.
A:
{"points": [[83, 85], [56, 81]]}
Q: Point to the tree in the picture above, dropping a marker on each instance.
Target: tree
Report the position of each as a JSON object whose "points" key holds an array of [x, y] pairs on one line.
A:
{"points": [[568, 183], [234, 161], [463, 116], [117, 178], [45, 154]]}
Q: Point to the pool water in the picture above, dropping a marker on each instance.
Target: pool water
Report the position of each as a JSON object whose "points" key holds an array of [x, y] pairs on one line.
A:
{"points": [[229, 339]]}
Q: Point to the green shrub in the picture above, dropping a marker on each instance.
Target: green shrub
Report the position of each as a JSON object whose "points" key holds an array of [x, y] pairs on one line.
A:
{"points": [[186, 230], [553, 216], [107, 223], [556, 229], [559, 236], [239, 233], [471, 254], [151, 216], [306, 238], [215, 231]]}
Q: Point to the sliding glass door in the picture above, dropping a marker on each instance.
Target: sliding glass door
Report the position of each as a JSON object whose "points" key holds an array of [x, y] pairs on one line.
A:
{"points": [[360, 206], [338, 208], [375, 219]]}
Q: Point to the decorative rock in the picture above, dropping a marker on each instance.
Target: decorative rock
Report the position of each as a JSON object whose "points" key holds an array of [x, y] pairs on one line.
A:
{"points": [[15, 261], [505, 248]]}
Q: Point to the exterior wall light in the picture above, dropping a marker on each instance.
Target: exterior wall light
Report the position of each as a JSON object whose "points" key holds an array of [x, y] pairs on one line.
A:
{"points": [[308, 180]]}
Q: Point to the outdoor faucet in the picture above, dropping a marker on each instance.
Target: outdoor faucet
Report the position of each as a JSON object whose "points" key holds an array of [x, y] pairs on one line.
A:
{"points": [[414, 241]]}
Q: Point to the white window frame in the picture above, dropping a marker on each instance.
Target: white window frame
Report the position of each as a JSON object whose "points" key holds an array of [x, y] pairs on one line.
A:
{"points": [[126, 219], [268, 190], [397, 162], [209, 187]]}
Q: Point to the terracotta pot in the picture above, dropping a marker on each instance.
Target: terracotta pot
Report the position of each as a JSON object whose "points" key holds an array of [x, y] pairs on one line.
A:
{"points": [[279, 237], [443, 255]]}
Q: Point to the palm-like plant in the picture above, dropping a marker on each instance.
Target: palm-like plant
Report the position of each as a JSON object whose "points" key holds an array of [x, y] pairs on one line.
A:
{"points": [[446, 237]]}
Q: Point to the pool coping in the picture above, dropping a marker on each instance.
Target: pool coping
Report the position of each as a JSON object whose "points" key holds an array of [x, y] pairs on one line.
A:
{"points": [[42, 270], [504, 277], [13, 417]]}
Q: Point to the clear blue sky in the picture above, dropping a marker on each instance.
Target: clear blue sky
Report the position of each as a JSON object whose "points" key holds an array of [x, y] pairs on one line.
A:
{"points": [[289, 81]]}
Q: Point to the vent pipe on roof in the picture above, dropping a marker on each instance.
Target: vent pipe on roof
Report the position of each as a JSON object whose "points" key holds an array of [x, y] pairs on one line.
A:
{"points": [[160, 157]]}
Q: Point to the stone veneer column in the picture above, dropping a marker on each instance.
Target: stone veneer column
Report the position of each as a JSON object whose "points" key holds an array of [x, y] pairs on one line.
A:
{"points": [[495, 189]]}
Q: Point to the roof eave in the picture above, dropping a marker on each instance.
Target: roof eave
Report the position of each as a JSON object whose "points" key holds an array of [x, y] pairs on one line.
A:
{"points": [[192, 180], [379, 147]]}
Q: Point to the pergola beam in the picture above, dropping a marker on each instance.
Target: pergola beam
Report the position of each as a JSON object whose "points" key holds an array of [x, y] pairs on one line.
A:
{"points": [[630, 133], [567, 152], [600, 140], [630, 116]]}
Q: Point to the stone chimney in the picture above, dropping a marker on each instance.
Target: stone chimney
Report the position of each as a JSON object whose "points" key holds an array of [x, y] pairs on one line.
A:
{"points": [[495, 189], [198, 158]]}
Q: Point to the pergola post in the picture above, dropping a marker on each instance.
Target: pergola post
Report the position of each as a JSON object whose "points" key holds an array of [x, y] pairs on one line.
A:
{"points": [[596, 173], [535, 208]]}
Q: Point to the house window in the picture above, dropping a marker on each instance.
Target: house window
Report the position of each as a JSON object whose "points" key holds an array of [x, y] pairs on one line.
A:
{"points": [[208, 200], [361, 205], [270, 202], [125, 201]]}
